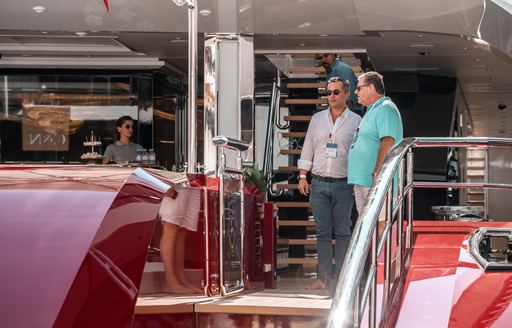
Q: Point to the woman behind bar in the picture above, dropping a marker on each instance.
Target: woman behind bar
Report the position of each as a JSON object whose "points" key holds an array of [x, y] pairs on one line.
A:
{"points": [[123, 150]]}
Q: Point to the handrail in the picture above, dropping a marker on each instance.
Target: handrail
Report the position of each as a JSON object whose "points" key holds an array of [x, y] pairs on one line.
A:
{"points": [[351, 297], [227, 142], [268, 151], [277, 104], [272, 123]]}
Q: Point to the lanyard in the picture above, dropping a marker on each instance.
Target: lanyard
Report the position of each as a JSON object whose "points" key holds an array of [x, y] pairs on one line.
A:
{"points": [[336, 125]]}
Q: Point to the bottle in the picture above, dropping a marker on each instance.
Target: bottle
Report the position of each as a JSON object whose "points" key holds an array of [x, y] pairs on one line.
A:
{"points": [[144, 156], [152, 157], [138, 158]]}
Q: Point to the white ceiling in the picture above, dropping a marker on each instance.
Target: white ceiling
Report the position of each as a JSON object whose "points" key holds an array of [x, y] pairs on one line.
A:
{"points": [[389, 30]]}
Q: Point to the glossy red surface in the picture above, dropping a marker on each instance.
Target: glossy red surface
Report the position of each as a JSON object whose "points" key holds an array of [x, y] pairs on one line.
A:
{"points": [[174, 320], [446, 288], [73, 243], [221, 320]]}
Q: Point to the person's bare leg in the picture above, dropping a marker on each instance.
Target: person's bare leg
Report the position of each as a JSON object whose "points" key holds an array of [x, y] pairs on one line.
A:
{"points": [[168, 256], [317, 284], [180, 261]]}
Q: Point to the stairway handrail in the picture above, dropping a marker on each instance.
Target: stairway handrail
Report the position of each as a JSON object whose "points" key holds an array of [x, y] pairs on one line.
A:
{"points": [[349, 299], [268, 156]]}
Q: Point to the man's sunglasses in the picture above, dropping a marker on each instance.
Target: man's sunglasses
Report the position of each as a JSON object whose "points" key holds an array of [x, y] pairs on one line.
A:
{"points": [[335, 91], [358, 88]]}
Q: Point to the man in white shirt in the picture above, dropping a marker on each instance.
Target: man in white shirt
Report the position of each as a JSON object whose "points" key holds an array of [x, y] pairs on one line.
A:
{"points": [[324, 153]]}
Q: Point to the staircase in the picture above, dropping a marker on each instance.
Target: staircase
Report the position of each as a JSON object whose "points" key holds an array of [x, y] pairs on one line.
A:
{"points": [[475, 172], [306, 95]]}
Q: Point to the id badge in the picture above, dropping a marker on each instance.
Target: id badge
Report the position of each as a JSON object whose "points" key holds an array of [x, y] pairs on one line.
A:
{"points": [[331, 150]]}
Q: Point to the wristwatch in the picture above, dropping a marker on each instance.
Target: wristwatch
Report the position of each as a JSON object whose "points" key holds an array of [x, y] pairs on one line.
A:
{"points": [[302, 176]]}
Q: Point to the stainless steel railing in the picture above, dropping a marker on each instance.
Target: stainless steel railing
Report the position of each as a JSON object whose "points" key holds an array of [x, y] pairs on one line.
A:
{"points": [[273, 122], [354, 290], [230, 283]]}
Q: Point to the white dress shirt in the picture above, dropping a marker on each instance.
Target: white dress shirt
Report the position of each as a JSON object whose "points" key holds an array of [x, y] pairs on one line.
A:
{"points": [[321, 131]]}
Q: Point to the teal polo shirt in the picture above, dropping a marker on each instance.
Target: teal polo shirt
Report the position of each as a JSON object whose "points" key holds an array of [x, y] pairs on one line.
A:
{"points": [[382, 119]]}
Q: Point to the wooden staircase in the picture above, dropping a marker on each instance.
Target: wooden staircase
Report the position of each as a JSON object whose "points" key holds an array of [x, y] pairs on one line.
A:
{"points": [[475, 172], [305, 97]]}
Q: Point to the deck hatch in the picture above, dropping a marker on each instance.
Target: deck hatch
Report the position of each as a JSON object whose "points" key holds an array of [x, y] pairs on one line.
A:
{"points": [[492, 248]]}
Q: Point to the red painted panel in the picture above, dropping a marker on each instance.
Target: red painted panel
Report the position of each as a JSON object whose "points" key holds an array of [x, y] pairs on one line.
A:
{"points": [[446, 288], [174, 320], [73, 243]]}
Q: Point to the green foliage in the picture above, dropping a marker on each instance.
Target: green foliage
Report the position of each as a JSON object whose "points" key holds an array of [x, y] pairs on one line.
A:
{"points": [[254, 175], [177, 169]]}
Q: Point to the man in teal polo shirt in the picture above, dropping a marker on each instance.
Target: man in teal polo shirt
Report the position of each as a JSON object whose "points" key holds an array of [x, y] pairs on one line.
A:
{"points": [[335, 67], [379, 130]]}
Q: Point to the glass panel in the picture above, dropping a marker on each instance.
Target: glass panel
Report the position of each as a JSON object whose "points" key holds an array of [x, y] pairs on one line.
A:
{"points": [[231, 234], [46, 118]]}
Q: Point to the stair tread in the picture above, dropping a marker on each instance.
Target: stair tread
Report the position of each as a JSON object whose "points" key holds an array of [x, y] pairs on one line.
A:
{"points": [[290, 151], [306, 101], [287, 186], [294, 134], [297, 118], [304, 260], [306, 69], [299, 241], [288, 169], [293, 223], [306, 85], [292, 204]]}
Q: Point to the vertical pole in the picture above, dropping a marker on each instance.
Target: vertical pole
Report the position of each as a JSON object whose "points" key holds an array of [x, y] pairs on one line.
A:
{"points": [[410, 173], [220, 174], [6, 96], [192, 88], [372, 317], [486, 180], [387, 254], [400, 219]]}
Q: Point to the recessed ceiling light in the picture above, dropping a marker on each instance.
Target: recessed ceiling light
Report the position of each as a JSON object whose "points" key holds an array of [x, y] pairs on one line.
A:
{"points": [[180, 2], [81, 33], [306, 24], [477, 60], [39, 9], [421, 45], [44, 32], [420, 36], [244, 7], [323, 35], [302, 44], [205, 12]]}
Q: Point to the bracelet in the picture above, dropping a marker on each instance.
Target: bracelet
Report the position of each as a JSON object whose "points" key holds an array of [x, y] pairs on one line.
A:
{"points": [[302, 176]]}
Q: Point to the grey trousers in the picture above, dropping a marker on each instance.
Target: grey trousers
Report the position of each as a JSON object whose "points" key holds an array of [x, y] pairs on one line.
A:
{"points": [[331, 203]]}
